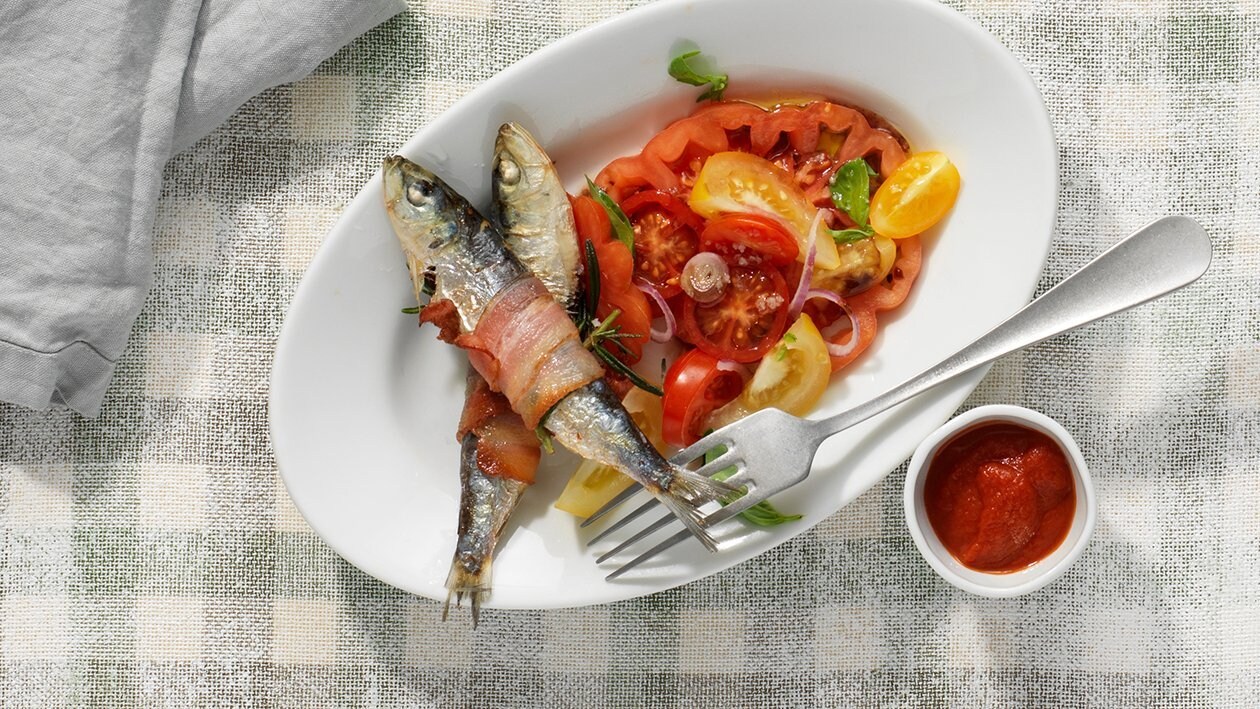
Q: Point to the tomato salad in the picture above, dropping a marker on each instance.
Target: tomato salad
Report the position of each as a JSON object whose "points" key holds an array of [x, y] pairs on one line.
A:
{"points": [[765, 240]]}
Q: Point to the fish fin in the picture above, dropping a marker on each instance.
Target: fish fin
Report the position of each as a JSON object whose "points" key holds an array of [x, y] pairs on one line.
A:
{"points": [[697, 489], [462, 583], [689, 491], [689, 516]]}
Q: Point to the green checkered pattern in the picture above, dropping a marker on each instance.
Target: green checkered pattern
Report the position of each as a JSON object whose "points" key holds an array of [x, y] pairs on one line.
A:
{"points": [[152, 558]]}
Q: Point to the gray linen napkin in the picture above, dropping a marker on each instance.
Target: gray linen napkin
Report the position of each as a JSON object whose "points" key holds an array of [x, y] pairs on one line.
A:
{"points": [[95, 96]]}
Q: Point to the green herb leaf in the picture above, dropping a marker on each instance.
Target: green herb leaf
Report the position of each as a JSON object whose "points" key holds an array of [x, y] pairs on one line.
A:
{"points": [[681, 69], [624, 370], [848, 236], [413, 310], [586, 317], [789, 337], [621, 228], [544, 438], [851, 190], [762, 514]]}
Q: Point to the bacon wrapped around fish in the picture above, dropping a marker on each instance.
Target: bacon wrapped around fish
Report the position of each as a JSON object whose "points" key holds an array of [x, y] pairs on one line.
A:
{"points": [[521, 341]]}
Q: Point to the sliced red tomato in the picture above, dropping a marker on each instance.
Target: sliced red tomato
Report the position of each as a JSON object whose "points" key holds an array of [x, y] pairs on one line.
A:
{"points": [[665, 237], [868, 325], [694, 387], [746, 322], [591, 221], [893, 289], [885, 295], [745, 239], [616, 271], [617, 292]]}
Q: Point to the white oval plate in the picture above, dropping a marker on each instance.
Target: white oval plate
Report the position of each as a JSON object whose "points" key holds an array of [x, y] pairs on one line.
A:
{"points": [[364, 405]]}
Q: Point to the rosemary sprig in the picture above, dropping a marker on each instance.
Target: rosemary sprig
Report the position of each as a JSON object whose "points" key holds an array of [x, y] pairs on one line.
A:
{"points": [[625, 371], [428, 286], [587, 314], [597, 334]]}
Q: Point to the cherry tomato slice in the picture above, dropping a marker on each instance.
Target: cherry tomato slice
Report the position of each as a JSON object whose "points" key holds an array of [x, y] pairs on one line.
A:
{"points": [[665, 238], [694, 387], [747, 184], [917, 195], [746, 322], [746, 239]]}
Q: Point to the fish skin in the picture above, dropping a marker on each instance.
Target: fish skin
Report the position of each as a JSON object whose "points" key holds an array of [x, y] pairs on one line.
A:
{"points": [[485, 504], [440, 230], [532, 210]]}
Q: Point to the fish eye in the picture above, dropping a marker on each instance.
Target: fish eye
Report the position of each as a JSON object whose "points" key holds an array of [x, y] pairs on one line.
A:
{"points": [[418, 192], [509, 172]]}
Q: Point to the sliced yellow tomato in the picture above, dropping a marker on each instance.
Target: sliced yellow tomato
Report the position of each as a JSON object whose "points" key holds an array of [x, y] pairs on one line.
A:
{"points": [[918, 193], [747, 184], [862, 264], [792, 377], [594, 484], [887, 255], [590, 488]]}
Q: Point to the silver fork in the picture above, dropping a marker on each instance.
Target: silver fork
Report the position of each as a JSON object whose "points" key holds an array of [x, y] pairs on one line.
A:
{"points": [[773, 451]]}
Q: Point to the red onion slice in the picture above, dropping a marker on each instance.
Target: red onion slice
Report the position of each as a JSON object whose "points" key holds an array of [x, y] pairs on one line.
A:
{"points": [[848, 347], [807, 271], [656, 297]]}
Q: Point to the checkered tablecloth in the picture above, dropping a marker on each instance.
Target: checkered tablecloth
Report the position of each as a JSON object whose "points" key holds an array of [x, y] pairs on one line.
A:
{"points": [[152, 557]]}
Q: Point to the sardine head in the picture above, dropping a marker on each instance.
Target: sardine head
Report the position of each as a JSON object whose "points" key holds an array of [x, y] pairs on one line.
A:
{"points": [[420, 206], [514, 153]]}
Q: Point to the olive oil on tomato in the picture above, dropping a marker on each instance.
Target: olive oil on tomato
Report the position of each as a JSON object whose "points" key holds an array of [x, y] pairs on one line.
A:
{"points": [[1000, 496]]}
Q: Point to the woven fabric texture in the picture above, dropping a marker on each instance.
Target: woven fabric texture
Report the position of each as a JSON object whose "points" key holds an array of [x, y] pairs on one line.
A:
{"points": [[152, 558]]}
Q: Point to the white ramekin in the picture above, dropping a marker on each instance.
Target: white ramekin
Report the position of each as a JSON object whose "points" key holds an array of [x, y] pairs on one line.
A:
{"points": [[999, 585]]}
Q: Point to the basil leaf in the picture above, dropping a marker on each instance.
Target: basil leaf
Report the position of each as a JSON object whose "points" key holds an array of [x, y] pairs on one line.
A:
{"points": [[621, 228], [762, 514], [851, 190], [848, 236], [682, 71]]}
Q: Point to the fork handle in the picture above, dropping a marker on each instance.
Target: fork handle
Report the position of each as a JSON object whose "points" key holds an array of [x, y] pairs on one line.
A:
{"points": [[1157, 259]]}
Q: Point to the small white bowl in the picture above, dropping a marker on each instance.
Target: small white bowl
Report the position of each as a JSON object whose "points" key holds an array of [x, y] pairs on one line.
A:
{"points": [[999, 585]]}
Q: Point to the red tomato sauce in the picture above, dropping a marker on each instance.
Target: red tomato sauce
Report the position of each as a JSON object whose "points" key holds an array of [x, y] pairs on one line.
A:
{"points": [[1000, 496]]}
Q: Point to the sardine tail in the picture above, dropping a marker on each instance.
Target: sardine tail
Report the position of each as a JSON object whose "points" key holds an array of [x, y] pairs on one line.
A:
{"points": [[687, 493], [462, 583]]}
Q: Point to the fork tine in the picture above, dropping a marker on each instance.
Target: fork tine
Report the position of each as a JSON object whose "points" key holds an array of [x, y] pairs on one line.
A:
{"points": [[666, 544], [722, 462], [699, 448], [637, 536], [612, 504], [717, 516], [635, 514]]}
